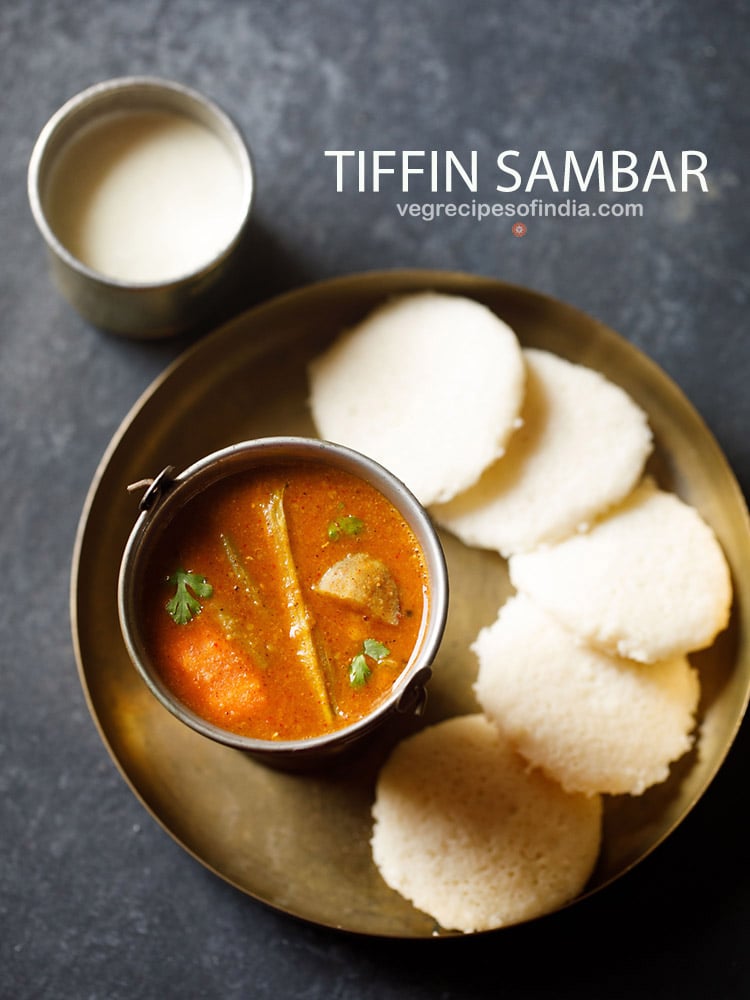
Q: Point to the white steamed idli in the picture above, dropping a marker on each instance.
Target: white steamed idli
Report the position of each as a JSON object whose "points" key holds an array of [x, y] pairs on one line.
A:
{"points": [[581, 449], [470, 835], [429, 385], [593, 722], [648, 582]]}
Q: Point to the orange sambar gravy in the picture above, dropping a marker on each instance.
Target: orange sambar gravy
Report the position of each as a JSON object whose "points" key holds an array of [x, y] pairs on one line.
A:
{"points": [[268, 655]]}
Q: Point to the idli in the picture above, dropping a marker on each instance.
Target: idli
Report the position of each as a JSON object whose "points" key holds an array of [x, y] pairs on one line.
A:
{"points": [[593, 722], [470, 835], [648, 582], [581, 449], [429, 385]]}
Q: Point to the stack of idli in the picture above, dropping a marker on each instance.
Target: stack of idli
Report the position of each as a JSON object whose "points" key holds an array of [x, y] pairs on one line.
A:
{"points": [[583, 684], [585, 669]]}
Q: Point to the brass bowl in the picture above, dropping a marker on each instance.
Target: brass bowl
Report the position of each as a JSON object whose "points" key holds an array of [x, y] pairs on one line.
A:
{"points": [[168, 493], [242, 820]]}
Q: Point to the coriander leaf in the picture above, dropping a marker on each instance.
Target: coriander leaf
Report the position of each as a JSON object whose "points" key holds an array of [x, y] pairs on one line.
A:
{"points": [[359, 672], [185, 605], [376, 650], [346, 525], [351, 525]]}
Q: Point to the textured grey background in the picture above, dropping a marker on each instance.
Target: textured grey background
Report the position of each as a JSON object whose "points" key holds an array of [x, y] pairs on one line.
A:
{"points": [[95, 900]]}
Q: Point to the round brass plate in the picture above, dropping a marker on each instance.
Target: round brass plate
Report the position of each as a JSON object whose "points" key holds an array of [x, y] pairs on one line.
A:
{"points": [[301, 842]]}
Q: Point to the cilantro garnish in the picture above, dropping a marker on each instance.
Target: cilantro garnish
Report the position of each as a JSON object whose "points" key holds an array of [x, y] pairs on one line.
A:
{"points": [[359, 670], [185, 604], [375, 649], [346, 525]]}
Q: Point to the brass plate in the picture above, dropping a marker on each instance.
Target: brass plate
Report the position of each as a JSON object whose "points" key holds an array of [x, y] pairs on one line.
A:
{"points": [[300, 843]]}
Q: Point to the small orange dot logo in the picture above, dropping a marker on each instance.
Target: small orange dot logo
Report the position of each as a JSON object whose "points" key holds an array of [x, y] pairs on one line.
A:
{"points": [[518, 229]]}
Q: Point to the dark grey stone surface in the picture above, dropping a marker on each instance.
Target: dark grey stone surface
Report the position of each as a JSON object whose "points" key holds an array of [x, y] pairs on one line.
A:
{"points": [[96, 901]]}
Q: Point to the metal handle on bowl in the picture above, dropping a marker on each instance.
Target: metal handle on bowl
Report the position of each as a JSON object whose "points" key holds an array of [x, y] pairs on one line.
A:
{"points": [[156, 488], [414, 698]]}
